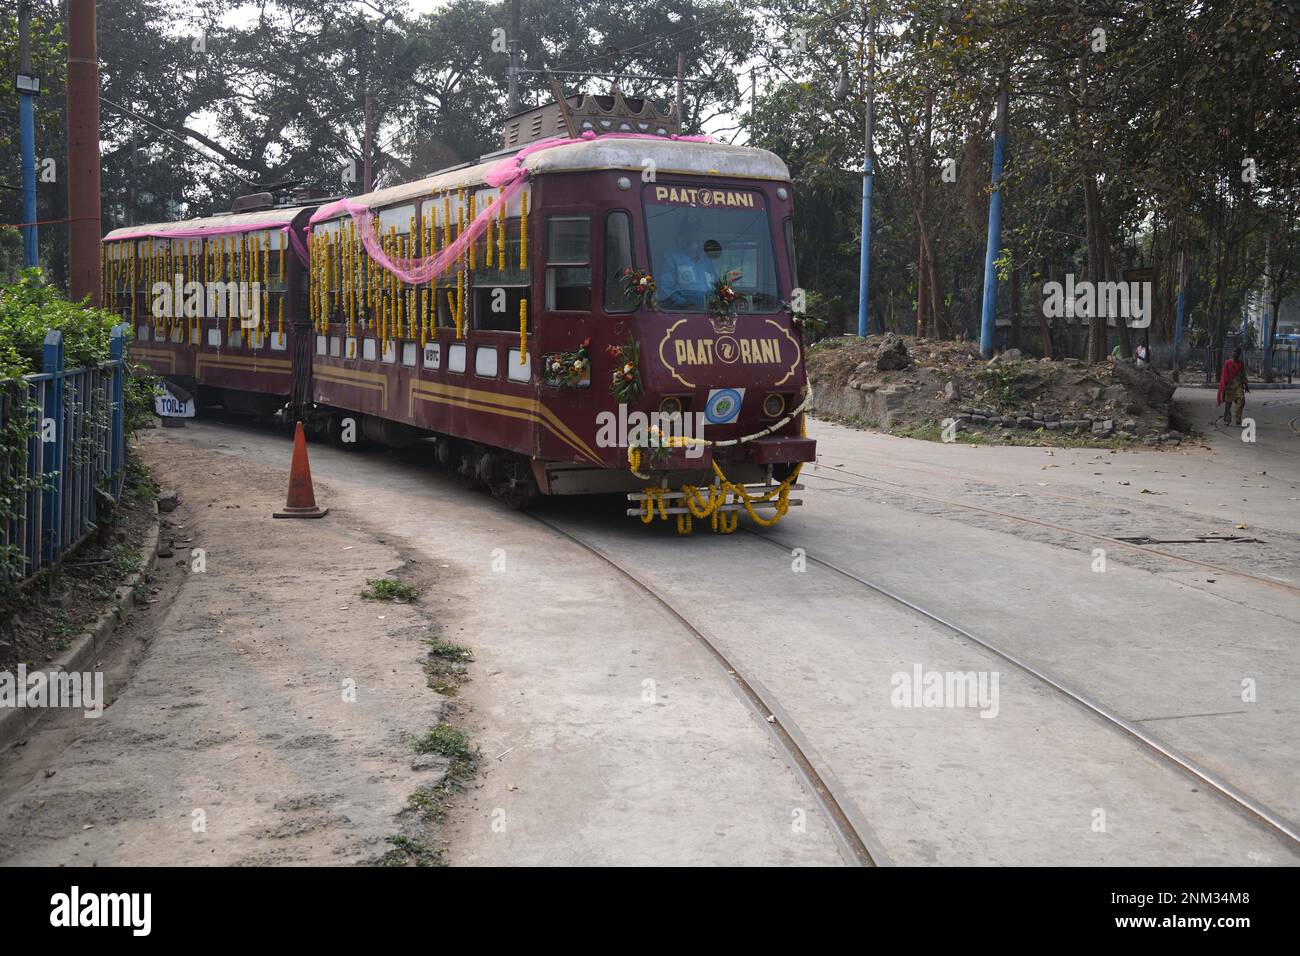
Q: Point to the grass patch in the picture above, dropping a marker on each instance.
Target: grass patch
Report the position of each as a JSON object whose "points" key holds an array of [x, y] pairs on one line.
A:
{"points": [[389, 589], [835, 342], [1039, 438], [446, 668], [1005, 383], [445, 740], [408, 852], [433, 803]]}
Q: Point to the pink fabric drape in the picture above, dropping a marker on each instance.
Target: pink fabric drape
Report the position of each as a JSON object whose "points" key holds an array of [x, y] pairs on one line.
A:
{"points": [[509, 176], [200, 232]]}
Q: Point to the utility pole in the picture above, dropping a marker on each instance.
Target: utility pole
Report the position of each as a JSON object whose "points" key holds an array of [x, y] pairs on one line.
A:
{"points": [[1266, 324], [512, 72], [367, 166], [29, 86], [988, 320], [135, 166], [1178, 311], [868, 174], [83, 153]]}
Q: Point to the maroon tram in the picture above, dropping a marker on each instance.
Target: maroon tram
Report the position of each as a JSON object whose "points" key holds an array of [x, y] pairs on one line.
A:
{"points": [[536, 358]]}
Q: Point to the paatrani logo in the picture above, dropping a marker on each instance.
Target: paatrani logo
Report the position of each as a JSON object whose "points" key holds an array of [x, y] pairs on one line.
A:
{"points": [[653, 430], [208, 300], [1086, 300], [103, 909]]}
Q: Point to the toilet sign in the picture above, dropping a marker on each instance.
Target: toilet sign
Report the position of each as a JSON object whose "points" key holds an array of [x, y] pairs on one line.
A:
{"points": [[167, 405]]}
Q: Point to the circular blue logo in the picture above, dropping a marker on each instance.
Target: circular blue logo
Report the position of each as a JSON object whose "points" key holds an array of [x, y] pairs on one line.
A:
{"points": [[723, 406]]}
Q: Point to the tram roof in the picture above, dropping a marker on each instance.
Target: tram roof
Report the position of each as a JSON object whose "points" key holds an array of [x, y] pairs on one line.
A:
{"points": [[669, 156], [268, 218]]}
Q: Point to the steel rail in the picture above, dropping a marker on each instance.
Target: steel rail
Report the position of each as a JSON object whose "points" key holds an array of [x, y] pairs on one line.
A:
{"points": [[857, 843], [1117, 542], [1264, 814]]}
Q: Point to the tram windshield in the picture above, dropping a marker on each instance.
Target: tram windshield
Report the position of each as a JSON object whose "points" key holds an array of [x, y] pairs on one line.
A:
{"points": [[698, 235]]}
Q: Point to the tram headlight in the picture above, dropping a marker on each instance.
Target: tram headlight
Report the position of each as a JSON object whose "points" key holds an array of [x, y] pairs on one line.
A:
{"points": [[670, 407], [774, 405]]}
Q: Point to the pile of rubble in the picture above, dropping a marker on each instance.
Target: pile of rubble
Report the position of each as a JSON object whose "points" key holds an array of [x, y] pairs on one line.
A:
{"points": [[894, 382]]}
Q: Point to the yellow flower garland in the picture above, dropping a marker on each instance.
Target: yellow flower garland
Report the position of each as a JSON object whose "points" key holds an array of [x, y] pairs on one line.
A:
{"points": [[523, 331], [721, 493]]}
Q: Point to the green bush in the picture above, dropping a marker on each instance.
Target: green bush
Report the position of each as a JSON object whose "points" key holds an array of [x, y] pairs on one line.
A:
{"points": [[29, 308]]}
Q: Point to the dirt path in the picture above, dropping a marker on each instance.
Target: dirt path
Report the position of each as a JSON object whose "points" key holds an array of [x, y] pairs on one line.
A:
{"points": [[239, 739]]}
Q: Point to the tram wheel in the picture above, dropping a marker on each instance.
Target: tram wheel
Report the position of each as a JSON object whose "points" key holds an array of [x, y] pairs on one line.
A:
{"points": [[467, 470], [515, 493]]}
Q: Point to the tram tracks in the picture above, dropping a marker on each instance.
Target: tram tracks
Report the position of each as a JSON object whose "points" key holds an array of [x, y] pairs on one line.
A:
{"points": [[857, 843], [1274, 821], [897, 488], [856, 839]]}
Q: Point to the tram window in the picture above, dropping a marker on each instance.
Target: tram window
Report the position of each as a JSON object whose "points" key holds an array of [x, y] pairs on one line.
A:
{"points": [[398, 216], [618, 256], [517, 371], [456, 358], [496, 308], [485, 361], [444, 295], [789, 251], [568, 268], [214, 338]]}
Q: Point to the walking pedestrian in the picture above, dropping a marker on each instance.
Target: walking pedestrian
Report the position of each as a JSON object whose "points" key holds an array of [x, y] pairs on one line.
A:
{"points": [[1233, 388]]}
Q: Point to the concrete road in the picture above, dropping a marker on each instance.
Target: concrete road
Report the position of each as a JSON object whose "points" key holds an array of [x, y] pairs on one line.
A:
{"points": [[612, 736]]}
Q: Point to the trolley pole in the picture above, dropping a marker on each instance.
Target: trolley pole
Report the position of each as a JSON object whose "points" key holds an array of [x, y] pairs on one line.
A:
{"points": [[83, 153], [868, 174], [28, 88], [681, 90], [988, 320], [512, 72], [367, 165]]}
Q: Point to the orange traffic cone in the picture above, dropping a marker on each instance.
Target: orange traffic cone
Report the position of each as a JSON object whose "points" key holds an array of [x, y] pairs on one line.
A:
{"points": [[301, 502]]}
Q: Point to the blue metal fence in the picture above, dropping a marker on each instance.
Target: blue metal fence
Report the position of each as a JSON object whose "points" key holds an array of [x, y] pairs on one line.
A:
{"points": [[76, 447]]}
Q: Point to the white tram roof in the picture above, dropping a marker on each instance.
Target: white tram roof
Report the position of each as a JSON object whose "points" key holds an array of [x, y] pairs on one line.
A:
{"points": [[268, 218], [669, 156]]}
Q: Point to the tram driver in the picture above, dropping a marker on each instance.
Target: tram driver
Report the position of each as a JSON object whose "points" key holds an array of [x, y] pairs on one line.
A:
{"points": [[688, 275]]}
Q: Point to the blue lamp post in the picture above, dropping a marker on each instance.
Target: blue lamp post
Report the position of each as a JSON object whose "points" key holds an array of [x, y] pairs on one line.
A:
{"points": [[988, 318], [29, 87]]}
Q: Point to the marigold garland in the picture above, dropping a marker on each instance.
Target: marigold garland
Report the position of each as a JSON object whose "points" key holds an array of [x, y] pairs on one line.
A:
{"points": [[523, 331]]}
